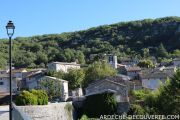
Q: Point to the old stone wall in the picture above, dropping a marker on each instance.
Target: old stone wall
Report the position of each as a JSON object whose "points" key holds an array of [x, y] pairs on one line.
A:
{"points": [[18, 114], [53, 111]]}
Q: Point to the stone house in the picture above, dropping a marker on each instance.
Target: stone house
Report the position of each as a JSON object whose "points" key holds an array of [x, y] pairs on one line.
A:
{"points": [[133, 72], [31, 79], [116, 85], [130, 62], [20, 75], [153, 78], [168, 69], [34, 82], [121, 69], [63, 66], [64, 85], [176, 62], [4, 83]]}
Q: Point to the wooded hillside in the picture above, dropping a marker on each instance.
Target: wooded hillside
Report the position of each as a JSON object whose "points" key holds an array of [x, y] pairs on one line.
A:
{"points": [[125, 39]]}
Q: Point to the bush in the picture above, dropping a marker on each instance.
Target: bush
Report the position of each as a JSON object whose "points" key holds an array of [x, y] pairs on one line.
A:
{"points": [[26, 98], [84, 117], [33, 97], [140, 94], [136, 110], [100, 104], [42, 97]]}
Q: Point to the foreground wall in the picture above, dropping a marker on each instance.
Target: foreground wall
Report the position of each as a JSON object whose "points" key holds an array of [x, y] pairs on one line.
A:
{"points": [[18, 114], [53, 111]]}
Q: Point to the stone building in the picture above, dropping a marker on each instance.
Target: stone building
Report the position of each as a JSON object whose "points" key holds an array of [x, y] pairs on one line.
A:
{"points": [[176, 62], [4, 83], [133, 72], [63, 83], [63, 66], [115, 84], [153, 78]]}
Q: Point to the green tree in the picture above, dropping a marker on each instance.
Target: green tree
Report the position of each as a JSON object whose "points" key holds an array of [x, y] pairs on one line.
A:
{"points": [[75, 78], [169, 96], [166, 100], [41, 58], [100, 104], [3, 62], [52, 87], [146, 53], [97, 71], [146, 64], [176, 53], [162, 52], [80, 56]]}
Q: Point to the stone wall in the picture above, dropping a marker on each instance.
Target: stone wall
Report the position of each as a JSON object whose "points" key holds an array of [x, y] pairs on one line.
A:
{"points": [[53, 111], [18, 114]]}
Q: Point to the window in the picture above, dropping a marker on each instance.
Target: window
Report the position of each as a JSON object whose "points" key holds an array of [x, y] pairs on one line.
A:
{"points": [[1, 83]]}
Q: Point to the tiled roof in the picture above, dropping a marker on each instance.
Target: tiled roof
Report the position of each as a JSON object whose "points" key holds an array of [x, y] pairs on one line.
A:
{"points": [[155, 74], [31, 74], [113, 79]]}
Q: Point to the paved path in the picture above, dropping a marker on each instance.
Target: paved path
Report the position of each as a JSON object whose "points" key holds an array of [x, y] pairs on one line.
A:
{"points": [[4, 112]]}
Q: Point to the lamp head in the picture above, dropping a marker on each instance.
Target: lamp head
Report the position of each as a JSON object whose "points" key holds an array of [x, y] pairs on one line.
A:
{"points": [[10, 28]]}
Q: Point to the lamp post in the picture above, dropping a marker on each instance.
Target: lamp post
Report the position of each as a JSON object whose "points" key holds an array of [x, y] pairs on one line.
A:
{"points": [[10, 31]]}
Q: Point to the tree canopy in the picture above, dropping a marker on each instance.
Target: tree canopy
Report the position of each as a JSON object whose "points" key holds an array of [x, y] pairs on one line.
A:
{"points": [[143, 38]]}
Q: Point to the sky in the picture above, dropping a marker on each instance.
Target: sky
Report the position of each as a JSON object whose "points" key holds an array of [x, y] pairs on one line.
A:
{"points": [[38, 17]]}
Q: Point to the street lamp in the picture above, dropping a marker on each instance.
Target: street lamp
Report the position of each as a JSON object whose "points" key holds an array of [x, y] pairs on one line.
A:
{"points": [[10, 31]]}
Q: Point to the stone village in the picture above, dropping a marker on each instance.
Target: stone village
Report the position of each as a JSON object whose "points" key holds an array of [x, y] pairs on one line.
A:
{"points": [[129, 77]]}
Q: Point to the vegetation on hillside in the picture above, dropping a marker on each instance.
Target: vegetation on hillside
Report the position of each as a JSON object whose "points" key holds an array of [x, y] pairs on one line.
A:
{"points": [[134, 39], [165, 101]]}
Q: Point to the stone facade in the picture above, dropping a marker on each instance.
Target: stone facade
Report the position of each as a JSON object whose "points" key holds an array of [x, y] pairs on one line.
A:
{"points": [[152, 79], [4, 83], [120, 90], [133, 72], [62, 66], [63, 83], [176, 62]]}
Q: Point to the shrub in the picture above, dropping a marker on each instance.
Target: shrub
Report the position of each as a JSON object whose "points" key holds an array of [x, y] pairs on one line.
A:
{"points": [[99, 104], [42, 97], [84, 117], [26, 98], [136, 110], [140, 94], [33, 97]]}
